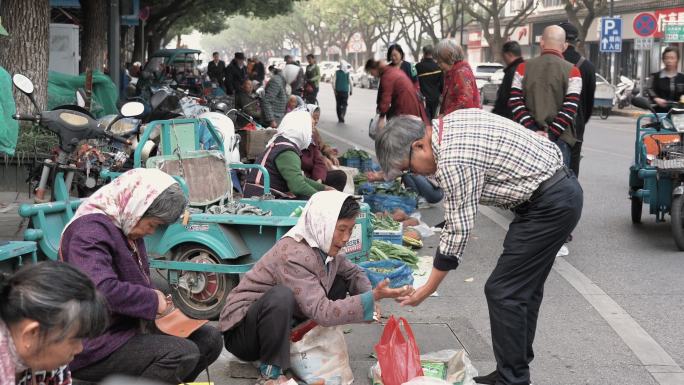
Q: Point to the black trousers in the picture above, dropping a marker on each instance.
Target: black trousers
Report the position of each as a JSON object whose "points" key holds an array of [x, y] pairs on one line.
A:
{"points": [[575, 158], [159, 357], [515, 288], [431, 108], [341, 99], [264, 333], [312, 98], [336, 179]]}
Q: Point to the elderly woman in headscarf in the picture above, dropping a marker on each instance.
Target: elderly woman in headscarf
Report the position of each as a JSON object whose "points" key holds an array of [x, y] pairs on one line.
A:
{"points": [[317, 164], [282, 159], [105, 241], [305, 276]]}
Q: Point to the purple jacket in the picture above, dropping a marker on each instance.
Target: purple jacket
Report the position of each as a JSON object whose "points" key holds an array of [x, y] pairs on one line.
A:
{"points": [[101, 251]]}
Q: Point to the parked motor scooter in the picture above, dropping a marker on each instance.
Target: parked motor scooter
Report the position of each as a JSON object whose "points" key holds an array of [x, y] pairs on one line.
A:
{"points": [[72, 125], [625, 91]]}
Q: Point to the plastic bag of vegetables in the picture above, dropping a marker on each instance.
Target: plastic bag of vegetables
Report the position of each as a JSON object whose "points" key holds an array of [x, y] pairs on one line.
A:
{"points": [[397, 271]]}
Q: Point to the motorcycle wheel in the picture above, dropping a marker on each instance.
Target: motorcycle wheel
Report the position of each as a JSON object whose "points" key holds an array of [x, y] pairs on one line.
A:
{"points": [[206, 292], [605, 111], [677, 217]]}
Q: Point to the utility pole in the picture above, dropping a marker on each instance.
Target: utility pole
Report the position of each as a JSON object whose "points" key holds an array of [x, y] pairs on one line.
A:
{"points": [[612, 54]]}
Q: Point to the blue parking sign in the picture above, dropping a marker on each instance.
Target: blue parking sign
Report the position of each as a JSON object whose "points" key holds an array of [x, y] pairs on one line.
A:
{"points": [[611, 34]]}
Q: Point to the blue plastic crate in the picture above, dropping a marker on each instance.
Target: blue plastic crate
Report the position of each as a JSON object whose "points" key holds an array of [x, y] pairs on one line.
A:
{"points": [[383, 202], [352, 162], [366, 165], [391, 236]]}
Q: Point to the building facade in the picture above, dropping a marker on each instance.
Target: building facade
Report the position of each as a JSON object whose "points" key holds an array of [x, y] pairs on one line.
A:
{"points": [[636, 16]]}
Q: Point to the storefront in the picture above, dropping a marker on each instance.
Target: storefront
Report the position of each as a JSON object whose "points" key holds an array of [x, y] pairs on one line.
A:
{"points": [[480, 52]]}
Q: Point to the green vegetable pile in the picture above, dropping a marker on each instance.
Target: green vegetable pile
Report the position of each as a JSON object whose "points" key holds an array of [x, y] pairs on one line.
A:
{"points": [[352, 154], [384, 223], [381, 250], [360, 178], [394, 188]]}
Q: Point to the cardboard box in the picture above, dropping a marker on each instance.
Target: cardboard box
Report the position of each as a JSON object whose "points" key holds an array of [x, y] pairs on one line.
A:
{"points": [[253, 143]]}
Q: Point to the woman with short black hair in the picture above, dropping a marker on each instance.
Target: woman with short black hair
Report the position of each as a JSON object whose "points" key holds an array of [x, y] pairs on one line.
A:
{"points": [[667, 85], [46, 310], [395, 58]]}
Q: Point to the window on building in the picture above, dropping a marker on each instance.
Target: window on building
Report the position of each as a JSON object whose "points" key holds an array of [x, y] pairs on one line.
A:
{"points": [[552, 3]]}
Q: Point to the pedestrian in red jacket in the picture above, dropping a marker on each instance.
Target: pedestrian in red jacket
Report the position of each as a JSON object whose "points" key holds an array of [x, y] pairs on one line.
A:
{"points": [[460, 89], [396, 93]]}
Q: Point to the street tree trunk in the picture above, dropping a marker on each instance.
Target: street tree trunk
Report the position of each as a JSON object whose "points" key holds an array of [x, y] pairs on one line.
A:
{"points": [[26, 49], [94, 34]]}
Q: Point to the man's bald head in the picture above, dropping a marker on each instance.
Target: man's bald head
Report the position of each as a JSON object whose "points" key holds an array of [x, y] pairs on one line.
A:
{"points": [[553, 38]]}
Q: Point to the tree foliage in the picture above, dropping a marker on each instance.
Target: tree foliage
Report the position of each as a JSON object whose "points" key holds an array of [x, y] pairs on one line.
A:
{"points": [[495, 28], [168, 17], [581, 13]]}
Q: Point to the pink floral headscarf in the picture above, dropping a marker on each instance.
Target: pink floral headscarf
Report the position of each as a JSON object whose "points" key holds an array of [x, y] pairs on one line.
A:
{"points": [[317, 223], [126, 199]]}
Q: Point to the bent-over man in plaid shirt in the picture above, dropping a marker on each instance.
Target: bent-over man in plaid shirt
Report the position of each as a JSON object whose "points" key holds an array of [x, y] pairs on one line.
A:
{"points": [[482, 158]]}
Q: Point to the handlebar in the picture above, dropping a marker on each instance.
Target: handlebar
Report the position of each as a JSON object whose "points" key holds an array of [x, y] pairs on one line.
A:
{"points": [[30, 118], [117, 138]]}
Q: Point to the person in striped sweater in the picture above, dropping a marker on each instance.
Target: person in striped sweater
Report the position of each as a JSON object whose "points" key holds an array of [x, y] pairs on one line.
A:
{"points": [[545, 93]]}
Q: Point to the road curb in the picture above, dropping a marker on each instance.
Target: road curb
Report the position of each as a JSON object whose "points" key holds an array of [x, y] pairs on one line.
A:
{"points": [[626, 113]]}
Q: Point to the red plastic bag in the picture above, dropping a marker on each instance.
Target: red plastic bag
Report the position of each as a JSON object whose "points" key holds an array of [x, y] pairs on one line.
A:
{"points": [[399, 357]]}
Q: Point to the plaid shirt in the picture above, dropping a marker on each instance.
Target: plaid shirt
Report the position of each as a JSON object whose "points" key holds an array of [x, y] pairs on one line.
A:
{"points": [[487, 159]]}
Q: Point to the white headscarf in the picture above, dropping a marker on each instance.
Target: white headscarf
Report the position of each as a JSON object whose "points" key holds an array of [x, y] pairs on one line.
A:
{"points": [[317, 223], [312, 108], [296, 127], [126, 199], [344, 66]]}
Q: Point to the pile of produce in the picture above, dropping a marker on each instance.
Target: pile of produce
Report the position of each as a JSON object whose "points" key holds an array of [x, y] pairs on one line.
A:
{"points": [[412, 238], [393, 188], [360, 178], [381, 250], [356, 154], [384, 222]]}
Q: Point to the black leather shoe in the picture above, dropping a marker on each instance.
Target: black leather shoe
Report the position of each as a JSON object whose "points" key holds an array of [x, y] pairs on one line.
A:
{"points": [[489, 379]]}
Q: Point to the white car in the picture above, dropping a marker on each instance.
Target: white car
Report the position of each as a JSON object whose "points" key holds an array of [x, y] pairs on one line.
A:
{"points": [[329, 68], [485, 71]]}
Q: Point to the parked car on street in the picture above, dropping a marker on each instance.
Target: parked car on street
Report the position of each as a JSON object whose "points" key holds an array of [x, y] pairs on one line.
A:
{"points": [[489, 89], [363, 80], [328, 69]]}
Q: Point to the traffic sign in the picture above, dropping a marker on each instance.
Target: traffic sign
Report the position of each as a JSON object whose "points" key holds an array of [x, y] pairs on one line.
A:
{"points": [[643, 43], [611, 34], [674, 33], [645, 24]]}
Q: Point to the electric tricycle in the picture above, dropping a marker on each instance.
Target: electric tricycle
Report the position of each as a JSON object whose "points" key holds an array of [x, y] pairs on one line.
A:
{"points": [[218, 239], [657, 175]]}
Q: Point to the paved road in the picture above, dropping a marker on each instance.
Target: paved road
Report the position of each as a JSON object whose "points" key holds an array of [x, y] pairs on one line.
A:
{"points": [[613, 308]]}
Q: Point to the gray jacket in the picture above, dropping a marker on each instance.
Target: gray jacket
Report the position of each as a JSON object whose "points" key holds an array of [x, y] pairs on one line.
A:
{"points": [[275, 99]]}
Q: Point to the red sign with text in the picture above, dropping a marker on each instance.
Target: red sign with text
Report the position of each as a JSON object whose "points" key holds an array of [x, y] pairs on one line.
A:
{"points": [[664, 16]]}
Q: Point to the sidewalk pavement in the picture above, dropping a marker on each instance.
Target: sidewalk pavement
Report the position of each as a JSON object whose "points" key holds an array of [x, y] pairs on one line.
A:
{"points": [[574, 345]]}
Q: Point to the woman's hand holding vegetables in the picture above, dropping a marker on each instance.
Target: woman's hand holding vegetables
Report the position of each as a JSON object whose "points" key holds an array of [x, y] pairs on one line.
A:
{"points": [[384, 291]]}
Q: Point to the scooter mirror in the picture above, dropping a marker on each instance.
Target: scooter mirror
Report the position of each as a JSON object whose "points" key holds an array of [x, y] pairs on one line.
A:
{"points": [[642, 103], [132, 109], [23, 83]]}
